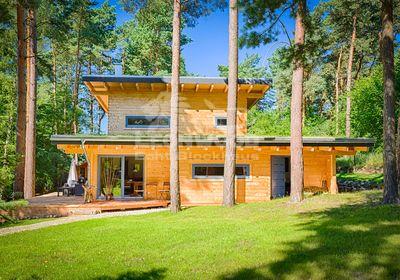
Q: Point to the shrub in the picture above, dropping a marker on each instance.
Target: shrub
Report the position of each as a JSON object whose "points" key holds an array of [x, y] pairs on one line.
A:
{"points": [[371, 162]]}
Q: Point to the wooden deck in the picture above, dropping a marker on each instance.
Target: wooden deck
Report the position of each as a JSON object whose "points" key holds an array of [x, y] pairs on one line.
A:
{"points": [[50, 205]]}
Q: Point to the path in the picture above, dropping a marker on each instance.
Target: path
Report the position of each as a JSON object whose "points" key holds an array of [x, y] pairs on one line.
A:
{"points": [[71, 219]]}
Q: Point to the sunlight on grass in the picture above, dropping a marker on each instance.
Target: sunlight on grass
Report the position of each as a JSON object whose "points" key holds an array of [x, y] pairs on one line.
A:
{"points": [[375, 177], [344, 236]]}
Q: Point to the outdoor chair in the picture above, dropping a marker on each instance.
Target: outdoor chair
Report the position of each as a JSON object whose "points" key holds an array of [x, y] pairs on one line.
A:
{"points": [[74, 189], [152, 188]]}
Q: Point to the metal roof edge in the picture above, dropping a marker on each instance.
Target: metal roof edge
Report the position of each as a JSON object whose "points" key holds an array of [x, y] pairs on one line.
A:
{"points": [[209, 140]]}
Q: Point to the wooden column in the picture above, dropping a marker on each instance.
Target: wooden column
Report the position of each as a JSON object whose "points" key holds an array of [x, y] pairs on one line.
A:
{"points": [[333, 187]]}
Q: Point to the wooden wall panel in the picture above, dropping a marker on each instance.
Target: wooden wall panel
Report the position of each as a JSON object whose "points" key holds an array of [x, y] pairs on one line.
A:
{"points": [[317, 167], [197, 111]]}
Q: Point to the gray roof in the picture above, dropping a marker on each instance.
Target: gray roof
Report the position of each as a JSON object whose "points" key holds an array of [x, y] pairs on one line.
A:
{"points": [[209, 140], [167, 79]]}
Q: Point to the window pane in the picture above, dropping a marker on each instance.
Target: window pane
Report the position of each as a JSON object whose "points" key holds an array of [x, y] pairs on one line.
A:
{"points": [[147, 121], [240, 171], [211, 170], [221, 121], [110, 176], [215, 171], [200, 171]]}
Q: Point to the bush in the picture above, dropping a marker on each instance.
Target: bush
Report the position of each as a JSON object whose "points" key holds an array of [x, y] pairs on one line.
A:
{"points": [[9, 206], [371, 162], [6, 179]]}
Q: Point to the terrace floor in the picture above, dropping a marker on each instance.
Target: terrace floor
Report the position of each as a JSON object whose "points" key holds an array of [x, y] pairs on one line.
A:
{"points": [[73, 205]]}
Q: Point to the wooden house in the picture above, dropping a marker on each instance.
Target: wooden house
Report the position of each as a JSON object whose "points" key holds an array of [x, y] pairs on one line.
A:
{"points": [[136, 147]]}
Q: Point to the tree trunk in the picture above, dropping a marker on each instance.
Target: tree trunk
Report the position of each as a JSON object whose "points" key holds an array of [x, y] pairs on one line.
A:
{"points": [[91, 102], [398, 153], [174, 137], [349, 77], [230, 151], [75, 92], [101, 117], [21, 106], [296, 134], [337, 90], [390, 193], [30, 154], [54, 70]]}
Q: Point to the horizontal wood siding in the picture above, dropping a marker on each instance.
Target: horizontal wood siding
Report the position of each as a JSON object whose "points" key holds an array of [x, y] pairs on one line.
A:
{"points": [[257, 187], [197, 111]]}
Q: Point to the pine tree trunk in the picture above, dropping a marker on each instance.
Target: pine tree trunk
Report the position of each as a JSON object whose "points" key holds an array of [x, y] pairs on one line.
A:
{"points": [[75, 92], [390, 194], [398, 153], [296, 138], [21, 103], [349, 77], [101, 117], [54, 70], [30, 160], [91, 102], [337, 90], [174, 134], [91, 113], [230, 152]]}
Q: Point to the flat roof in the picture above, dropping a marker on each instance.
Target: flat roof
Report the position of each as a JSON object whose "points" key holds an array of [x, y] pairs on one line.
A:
{"points": [[167, 80], [209, 140]]}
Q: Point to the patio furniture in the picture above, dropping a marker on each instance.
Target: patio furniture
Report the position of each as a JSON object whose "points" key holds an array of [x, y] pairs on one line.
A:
{"points": [[152, 187], [65, 189], [74, 188], [164, 192], [138, 188]]}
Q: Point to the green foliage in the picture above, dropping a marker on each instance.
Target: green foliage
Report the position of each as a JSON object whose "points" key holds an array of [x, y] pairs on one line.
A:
{"points": [[371, 162], [367, 111], [248, 68], [8, 206], [146, 40], [12, 205]]}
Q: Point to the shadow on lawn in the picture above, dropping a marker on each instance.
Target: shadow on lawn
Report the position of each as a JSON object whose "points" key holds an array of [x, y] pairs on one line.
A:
{"points": [[351, 241], [153, 274]]}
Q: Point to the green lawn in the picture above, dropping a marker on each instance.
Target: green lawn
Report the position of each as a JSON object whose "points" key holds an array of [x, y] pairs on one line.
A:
{"points": [[327, 237], [374, 177]]}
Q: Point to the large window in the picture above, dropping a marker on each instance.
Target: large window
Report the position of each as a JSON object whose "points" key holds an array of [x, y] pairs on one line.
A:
{"points": [[147, 121], [201, 171]]}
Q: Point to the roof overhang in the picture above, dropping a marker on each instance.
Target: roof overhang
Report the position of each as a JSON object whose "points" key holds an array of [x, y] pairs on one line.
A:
{"points": [[103, 85], [210, 141]]}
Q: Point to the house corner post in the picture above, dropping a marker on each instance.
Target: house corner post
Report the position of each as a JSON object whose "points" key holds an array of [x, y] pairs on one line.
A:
{"points": [[333, 187]]}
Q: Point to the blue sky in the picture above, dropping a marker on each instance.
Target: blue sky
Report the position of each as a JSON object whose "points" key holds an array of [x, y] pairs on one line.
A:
{"points": [[209, 46]]}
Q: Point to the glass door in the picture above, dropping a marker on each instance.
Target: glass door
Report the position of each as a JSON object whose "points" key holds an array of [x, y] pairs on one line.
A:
{"points": [[110, 177], [133, 176]]}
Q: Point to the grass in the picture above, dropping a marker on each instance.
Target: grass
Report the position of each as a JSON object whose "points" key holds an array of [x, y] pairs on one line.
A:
{"points": [[374, 177], [327, 237]]}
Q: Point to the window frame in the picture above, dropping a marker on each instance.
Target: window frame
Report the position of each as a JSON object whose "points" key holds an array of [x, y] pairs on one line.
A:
{"points": [[216, 118], [194, 176], [127, 126]]}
